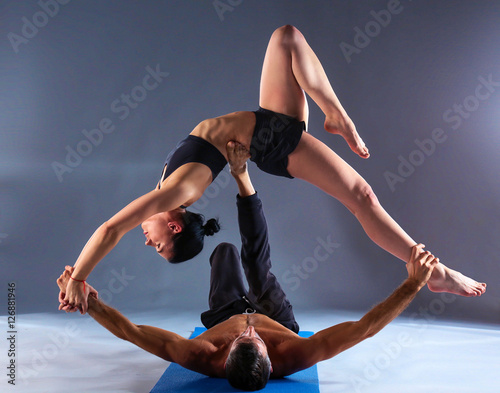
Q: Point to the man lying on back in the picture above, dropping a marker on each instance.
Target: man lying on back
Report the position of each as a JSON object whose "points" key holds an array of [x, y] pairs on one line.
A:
{"points": [[252, 334]]}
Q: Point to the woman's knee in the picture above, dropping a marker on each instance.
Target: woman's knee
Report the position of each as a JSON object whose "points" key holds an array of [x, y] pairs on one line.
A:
{"points": [[287, 35], [363, 197]]}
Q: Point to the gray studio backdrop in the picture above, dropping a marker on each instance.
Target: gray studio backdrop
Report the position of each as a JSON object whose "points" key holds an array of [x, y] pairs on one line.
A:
{"points": [[84, 130]]}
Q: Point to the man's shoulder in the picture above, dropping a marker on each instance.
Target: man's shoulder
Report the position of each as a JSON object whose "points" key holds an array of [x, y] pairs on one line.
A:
{"points": [[290, 355], [203, 357]]}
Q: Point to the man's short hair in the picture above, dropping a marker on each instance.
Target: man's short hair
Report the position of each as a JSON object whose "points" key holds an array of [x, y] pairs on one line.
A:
{"points": [[247, 368]]}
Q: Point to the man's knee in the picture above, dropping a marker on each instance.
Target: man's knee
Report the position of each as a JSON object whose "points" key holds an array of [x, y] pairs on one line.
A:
{"points": [[225, 252]]}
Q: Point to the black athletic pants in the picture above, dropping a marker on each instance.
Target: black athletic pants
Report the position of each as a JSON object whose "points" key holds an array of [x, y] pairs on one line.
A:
{"points": [[228, 295]]}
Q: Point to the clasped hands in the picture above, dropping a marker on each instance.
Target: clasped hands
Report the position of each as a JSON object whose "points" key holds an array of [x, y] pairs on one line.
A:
{"points": [[72, 296]]}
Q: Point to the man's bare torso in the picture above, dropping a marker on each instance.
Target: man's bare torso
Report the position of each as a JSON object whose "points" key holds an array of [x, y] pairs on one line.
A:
{"points": [[210, 349]]}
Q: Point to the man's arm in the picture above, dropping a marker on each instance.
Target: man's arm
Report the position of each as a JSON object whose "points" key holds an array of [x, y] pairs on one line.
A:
{"points": [[163, 343], [167, 345], [336, 339]]}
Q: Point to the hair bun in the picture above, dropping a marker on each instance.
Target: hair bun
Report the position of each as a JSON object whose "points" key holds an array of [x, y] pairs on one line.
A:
{"points": [[211, 227]]}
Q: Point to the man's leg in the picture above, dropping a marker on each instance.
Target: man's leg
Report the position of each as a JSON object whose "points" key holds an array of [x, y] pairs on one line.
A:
{"points": [[226, 286], [226, 281], [265, 292]]}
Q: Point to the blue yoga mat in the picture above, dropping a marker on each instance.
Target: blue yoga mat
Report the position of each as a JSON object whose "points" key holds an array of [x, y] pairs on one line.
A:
{"points": [[178, 379]]}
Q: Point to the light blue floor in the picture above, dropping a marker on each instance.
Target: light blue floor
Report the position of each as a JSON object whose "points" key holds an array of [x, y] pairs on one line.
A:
{"points": [[70, 353]]}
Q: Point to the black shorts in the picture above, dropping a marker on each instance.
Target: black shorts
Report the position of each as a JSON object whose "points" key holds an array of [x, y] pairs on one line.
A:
{"points": [[275, 137]]}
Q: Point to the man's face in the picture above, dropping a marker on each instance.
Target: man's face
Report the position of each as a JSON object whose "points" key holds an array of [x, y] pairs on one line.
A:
{"points": [[252, 337]]}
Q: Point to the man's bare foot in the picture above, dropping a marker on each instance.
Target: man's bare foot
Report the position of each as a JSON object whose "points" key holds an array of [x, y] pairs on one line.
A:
{"points": [[345, 127], [444, 279], [237, 156]]}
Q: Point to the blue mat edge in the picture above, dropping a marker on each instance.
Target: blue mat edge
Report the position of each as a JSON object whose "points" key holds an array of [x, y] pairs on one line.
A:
{"points": [[190, 381]]}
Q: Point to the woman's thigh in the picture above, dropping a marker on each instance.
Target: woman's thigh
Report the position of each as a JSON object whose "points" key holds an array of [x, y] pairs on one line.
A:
{"points": [[316, 163], [279, 90]]}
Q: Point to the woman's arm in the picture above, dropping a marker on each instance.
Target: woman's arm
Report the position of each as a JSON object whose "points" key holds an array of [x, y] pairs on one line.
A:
{"points": [[183, 187]]}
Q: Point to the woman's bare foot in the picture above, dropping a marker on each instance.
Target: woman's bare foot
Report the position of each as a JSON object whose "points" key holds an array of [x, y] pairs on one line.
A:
{"points": [[237, 156], [444, 279], [343, 125]]}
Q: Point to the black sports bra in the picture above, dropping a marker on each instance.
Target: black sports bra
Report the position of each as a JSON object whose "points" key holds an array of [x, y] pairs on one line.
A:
{"points": [[194, 149]]}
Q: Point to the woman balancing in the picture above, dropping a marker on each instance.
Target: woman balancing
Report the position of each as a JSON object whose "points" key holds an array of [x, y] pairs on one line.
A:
{"points": [[276, 138]]}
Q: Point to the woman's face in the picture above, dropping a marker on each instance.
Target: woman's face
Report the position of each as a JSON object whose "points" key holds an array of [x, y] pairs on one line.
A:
{"points": [[159, 231]]}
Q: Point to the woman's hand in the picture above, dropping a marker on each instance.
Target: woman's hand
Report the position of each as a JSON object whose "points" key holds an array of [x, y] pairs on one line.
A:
{"points": [[72, 296]]}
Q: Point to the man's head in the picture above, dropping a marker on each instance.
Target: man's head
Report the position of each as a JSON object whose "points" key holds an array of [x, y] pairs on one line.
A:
{"points": [[248, 366]]}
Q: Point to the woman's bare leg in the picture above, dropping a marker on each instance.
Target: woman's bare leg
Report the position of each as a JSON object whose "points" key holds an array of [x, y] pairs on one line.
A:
{"points": [[338, 179], [316, 163], [290, 67]]}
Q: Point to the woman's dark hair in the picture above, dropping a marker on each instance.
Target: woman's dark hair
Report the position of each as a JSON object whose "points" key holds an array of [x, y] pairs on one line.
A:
{"points": [[247, 368], [189, 242]]}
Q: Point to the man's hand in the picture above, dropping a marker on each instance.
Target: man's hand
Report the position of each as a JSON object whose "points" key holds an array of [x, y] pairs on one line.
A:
{"points": [[421, 264], [62, 282], [330, 342]]}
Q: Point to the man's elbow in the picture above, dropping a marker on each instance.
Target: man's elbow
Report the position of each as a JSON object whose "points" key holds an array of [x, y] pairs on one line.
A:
{"points": [[364, 330], [129, 333]]}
